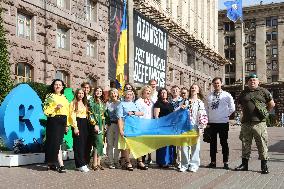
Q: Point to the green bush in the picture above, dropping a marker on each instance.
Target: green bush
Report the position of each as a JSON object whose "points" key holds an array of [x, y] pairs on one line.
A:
{"points": [[40, 88], [5, 73]]}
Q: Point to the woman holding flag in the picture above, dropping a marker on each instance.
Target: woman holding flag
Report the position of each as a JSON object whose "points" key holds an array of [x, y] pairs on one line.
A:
{"points": [[198, 118], [145, 104], [127, 108], [166, 155]]}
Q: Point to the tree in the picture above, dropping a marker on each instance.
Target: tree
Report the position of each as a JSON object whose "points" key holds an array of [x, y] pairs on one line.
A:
{"points": [[5, 73]]}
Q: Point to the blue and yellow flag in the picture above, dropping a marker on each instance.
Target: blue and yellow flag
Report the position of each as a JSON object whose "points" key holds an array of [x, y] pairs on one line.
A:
{"points": [[143, 136], [122, 49], [234, 9]]}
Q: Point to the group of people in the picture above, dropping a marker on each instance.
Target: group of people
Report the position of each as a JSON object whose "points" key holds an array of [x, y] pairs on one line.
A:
{"points": [[96, 121]]}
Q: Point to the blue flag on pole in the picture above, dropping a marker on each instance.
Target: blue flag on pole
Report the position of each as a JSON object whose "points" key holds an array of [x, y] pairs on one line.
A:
{"points": [[234, 9]]}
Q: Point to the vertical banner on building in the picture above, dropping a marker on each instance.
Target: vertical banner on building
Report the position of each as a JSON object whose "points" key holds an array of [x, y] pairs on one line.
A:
{"points": [[150, 51], [115, 20]]}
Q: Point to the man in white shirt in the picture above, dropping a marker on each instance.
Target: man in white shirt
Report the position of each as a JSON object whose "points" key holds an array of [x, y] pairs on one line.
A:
{"points": [[220, 106]]}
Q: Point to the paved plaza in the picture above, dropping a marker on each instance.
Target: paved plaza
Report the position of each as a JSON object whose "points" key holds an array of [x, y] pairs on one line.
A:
{"points": [[36, 176]]}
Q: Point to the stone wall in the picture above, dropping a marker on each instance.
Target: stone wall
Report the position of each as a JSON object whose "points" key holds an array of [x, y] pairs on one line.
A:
{"points": [[41, 52]]}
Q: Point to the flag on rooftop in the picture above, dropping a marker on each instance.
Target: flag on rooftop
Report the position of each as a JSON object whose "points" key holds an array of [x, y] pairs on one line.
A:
{"points": [[234, 10]]}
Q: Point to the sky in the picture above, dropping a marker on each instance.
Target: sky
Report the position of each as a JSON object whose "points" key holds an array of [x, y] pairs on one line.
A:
{"points": [[249, 2]]}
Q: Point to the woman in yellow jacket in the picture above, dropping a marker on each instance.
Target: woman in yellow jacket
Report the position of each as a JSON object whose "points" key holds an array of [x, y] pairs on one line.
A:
{"points": [[79, 123], [56, 108]]}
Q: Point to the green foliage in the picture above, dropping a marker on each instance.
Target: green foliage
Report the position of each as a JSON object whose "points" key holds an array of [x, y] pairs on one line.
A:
{"points": [[40, 88], [2, 145], [5, 73]]}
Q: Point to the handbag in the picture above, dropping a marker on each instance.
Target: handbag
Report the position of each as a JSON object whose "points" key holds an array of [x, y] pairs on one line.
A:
{"points": [[207, 135], [261, 109]]}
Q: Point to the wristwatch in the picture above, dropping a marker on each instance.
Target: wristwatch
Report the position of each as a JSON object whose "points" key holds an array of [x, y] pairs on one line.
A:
{"points": [[133, 112]]}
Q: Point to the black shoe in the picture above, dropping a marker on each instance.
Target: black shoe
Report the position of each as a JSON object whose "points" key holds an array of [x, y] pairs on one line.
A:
{"points": [[243, 166], [226, 166], [211, 165], [264, 168], [61, 169], [51, 167]]}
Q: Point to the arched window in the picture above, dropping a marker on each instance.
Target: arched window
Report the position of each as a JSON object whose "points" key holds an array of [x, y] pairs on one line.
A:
{"points": [[64, 76], [24, 73]]}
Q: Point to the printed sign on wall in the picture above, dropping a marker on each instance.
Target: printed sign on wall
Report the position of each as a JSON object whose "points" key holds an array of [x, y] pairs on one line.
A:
{"points": [[150, 51]]}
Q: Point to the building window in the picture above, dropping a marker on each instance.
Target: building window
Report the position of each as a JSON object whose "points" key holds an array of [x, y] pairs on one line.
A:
{"points": [[91, 10], [274, 65], [23, 73], [249, 24], [229, 26], [24, 26], [271, 36], [250, 66], [230, 80], [274, 51], [64, 76], [250, 52], [63, 38], [271, 22], [230, 54], [65, 4], [229, 40], [230, 68], [91, 48]]}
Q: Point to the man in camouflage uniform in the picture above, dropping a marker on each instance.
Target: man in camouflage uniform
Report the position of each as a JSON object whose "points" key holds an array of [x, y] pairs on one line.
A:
{"points": [[253, 123]]}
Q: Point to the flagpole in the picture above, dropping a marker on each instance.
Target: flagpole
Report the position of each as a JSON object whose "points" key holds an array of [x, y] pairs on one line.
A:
{"points": [[243, 54]]}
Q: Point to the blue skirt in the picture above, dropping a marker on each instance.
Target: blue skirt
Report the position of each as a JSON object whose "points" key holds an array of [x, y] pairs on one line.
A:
{"points": [[165, 155]]}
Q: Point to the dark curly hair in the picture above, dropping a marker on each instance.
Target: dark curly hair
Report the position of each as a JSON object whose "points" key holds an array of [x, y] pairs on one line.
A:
{"points": [[160, 94], [53, 83]]}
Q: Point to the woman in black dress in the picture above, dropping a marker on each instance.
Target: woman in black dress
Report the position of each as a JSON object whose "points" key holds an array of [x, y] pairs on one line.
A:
{"points": [[164, 156]]}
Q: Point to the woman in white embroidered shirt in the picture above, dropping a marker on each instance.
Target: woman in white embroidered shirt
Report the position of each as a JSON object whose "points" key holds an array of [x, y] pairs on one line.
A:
{"points": [[199, 120], [146, 105]]}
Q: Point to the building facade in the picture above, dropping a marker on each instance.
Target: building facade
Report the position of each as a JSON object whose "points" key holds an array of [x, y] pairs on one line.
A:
{"points": [[192, 42], [64, 39], [262, 48], [259, 52]]}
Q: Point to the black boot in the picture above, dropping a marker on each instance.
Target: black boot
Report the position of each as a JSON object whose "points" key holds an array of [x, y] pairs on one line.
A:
{"points": [[264, 168], [243, 166]]}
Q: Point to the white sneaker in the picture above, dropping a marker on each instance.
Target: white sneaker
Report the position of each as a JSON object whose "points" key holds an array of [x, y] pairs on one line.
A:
{"points": [[182, 169], [111, 166], [84, 169], [193, 169]]}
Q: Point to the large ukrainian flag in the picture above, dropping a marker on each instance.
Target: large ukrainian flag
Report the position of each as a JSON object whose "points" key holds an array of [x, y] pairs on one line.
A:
{"points": [[143, 136], [122, 49]]}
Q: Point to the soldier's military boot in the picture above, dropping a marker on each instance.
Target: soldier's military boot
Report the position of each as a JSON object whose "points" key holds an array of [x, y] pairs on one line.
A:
{"points": [[264, 168], [243, 166]]}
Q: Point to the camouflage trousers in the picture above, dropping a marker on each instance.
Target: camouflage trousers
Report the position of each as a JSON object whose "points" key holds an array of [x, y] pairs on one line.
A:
{"points": [[258, 131]]}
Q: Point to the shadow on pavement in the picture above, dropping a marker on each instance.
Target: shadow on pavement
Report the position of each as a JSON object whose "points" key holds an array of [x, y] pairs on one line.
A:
{"points": [[277, 147]]}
